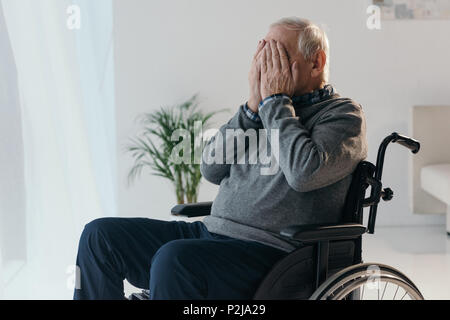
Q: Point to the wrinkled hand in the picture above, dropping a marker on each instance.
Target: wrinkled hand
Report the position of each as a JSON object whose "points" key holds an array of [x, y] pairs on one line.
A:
{"points": [[254, 79], [277, 75]]}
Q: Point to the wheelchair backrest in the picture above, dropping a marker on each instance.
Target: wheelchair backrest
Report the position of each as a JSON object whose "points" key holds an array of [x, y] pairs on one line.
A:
{"points": [[354, 203], [292, 277]]}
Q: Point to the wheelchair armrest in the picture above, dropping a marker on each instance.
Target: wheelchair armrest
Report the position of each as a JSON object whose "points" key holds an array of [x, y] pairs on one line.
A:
{"points": [[323, 232], [191, 210]]}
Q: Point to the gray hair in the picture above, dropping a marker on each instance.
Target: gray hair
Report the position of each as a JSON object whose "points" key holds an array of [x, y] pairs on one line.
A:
{"points": [[312, 39]]}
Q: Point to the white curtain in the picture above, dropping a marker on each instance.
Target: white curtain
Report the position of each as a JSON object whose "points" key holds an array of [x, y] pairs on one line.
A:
{"points": [[65, 80]]}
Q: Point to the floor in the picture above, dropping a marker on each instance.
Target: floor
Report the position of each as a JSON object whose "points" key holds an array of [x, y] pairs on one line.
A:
{"points": [[422, 253]]}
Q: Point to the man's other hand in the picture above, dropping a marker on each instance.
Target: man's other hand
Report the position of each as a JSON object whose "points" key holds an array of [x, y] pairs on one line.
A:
{"points": [[254, 79], [277, 75]]}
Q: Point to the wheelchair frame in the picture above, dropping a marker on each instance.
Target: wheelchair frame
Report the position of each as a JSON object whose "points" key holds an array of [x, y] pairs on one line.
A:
{"points": [[319, 237]]}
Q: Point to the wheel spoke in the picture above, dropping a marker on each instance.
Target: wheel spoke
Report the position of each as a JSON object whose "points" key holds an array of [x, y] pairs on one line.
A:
{"points": [[406, 292], [378, 289], [395, 293], [384, 290]]}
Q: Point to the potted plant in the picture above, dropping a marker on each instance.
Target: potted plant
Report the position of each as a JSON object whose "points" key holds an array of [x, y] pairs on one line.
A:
{"points": [[153, 147]]}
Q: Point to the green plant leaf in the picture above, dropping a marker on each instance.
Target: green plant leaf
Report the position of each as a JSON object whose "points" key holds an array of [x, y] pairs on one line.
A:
{"points": [[152, 147]]}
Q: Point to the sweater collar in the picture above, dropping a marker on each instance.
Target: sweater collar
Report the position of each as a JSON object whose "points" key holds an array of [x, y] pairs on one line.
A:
{"points": [[314, 97]]}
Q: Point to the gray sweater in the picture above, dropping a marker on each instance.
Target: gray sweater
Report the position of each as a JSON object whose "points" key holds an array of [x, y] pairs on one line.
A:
{"points": [[320, 145]]}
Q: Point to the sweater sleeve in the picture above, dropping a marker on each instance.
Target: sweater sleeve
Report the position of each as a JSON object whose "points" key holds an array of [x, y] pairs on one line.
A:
{"points": [[327, 153], [215, 172]]}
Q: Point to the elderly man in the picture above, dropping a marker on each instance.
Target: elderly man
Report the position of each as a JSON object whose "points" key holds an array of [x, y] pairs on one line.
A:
{"points": [[320, 138]]}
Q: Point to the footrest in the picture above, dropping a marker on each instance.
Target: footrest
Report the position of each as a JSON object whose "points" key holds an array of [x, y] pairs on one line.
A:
{"points": [[144, 295]]}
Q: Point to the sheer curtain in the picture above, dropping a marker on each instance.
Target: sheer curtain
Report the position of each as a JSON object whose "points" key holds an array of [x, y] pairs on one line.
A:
{"points": [[65, 83]]}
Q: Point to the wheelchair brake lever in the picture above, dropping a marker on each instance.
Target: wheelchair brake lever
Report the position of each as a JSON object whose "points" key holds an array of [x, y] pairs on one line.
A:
{"points": [[387, 194], [375, 193]]}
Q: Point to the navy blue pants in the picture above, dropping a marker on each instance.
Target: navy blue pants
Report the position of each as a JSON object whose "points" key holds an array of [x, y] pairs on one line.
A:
{"points": [[173, 259]]}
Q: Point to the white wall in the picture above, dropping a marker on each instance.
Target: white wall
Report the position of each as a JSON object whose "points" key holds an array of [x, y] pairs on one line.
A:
{"points": [[168, 50]]}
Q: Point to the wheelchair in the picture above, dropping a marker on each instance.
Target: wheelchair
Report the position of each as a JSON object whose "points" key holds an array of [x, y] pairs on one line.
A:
{"points": [[327, 264]]}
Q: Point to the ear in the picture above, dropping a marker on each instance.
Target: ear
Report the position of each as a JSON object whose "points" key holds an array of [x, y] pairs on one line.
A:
{"points": [[318, 64]]}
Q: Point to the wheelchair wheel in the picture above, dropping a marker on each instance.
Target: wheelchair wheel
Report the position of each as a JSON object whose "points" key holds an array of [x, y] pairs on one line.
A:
{"points": [[368, 281]]}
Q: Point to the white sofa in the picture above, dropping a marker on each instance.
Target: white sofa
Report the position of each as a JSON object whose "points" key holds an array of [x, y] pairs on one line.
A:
{"points": [[431, 166], [435, 179]]}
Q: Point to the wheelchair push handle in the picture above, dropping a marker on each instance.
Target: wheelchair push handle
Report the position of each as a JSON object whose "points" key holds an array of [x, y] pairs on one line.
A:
{"points": [[387, 193], [407, 142]]}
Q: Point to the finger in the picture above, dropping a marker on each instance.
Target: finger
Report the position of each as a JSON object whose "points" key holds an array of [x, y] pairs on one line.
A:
{"points": [[262, 61], [258, 64], [258, 55], [261, 44], [284, 60], [258, 70], [268, 55], [275, 55], [295, 71]]}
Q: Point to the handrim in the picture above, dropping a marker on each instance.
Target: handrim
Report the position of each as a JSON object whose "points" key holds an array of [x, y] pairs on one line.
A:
{"points": [[358, 274]]}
